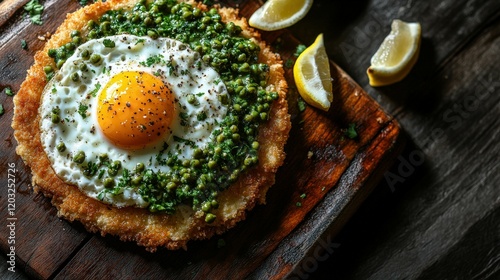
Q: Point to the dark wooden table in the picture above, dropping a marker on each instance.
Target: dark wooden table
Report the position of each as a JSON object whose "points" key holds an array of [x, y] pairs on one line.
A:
{"points": [[436, 212]]}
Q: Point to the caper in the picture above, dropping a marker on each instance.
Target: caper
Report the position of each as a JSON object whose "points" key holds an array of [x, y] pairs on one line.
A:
{"points": [[139, 167], [75, 77], [116, 165], [105, 26], [212, 164], [248, 161], [244, 68], [136, 181], [186, 177], [171, 186], [206, 206], [91, 24], [191, 99], [187, 15], [55, 118], [109, 183], [186, 163], [233, 128], [206, 58], [79, 157], [75, 33], [148, 21], [236, 137], [195, 163], [206, 19], [210, 218], [198, 153], [103, 157], [95, 58], [242, 57], [48, 69], [136, 18], [152, 34], [255, 145], [218, 150], [83, 67], [263, 116], [220, 138], [76, 40], [92, 34], [85, 54], [61, 147], [70, 46], [215, 204], [52, 53], [223, 98], [60, 63]]}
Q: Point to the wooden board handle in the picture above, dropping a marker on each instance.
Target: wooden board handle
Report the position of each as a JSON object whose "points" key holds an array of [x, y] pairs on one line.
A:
{"points": [[8, 8]]}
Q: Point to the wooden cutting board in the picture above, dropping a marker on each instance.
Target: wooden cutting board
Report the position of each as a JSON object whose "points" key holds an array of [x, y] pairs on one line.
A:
{"points": [[326, 176]]}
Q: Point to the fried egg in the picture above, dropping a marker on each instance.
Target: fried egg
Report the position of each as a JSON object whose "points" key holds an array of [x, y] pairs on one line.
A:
{"points": [[131, 100]]}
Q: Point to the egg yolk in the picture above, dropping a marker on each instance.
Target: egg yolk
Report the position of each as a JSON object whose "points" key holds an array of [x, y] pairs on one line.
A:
{"points": [[135, 109]]}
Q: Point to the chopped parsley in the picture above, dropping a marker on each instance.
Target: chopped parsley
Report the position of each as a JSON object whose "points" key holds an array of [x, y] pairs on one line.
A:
{"points": [[302, 104], [196, 180], [184, 118], [201, 116], [82, 110], [34, 9], [1, 110], [171, 68], [300, 48], [24, 44], [303, 196], [185, 141], [298, 204], [159, 156], [94, 92], [108, 43], [154, 59], [91, 169], [9, 91], [288, 63], [101, 173], [351, 131]]}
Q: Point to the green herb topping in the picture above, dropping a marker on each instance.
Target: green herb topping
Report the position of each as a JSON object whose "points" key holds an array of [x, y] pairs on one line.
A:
{"points": [[34, 9], [234, 149]]}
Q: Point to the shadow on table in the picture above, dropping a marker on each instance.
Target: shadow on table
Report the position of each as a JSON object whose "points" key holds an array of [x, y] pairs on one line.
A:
{"points": [[419, 91], [372, 224]]}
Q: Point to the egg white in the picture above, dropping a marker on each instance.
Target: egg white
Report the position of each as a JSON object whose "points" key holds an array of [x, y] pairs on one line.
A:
{"points": [[181, 70]]}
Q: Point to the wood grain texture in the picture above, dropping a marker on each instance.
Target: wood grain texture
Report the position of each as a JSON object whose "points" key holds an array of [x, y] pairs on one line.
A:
{"points": [[436, 223], [440, 221], [8, 8], [455, 194], [322, 164]]}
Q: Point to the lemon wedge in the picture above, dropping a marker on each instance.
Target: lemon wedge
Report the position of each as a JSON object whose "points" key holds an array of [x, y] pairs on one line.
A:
{"points": [[278, 14], [396, 56], [312, 75]]}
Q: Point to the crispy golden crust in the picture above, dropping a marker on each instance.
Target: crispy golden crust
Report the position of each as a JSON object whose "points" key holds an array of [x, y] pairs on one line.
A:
{"points": [[134, 224]]}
